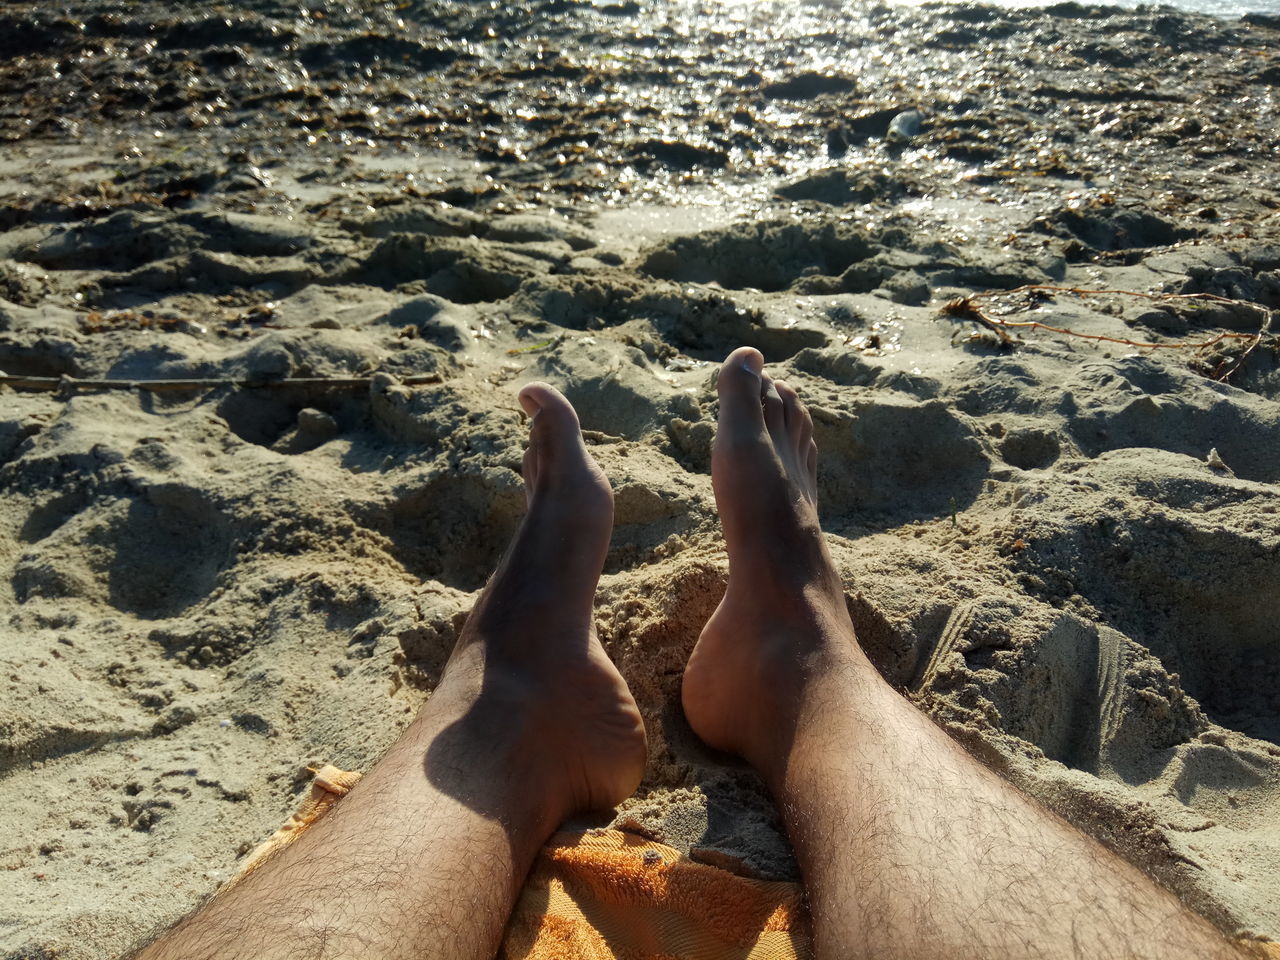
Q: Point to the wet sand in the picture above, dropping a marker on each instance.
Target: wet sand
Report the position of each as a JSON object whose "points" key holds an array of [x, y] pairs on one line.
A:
{"points": [[1066, 549]]}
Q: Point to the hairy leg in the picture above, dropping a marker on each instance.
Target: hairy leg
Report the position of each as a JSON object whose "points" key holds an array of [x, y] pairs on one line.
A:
{"points": [[909, 847], [530, 723]]}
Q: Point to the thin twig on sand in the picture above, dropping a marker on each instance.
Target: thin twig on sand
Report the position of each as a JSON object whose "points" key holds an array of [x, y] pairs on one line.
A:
{"points": [[968, 307], [72, 384]]}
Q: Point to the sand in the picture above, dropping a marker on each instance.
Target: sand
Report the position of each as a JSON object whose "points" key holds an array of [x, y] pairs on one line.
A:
{"points": [[1066, 550]]}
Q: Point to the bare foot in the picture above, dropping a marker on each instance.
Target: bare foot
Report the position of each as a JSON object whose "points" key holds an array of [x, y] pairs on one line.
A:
{"points": [[783, 619], [529, 657]]}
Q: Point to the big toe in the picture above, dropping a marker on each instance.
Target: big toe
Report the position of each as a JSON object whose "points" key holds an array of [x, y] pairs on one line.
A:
{"points": [[557, 461], [741, 386], [555, 431]]}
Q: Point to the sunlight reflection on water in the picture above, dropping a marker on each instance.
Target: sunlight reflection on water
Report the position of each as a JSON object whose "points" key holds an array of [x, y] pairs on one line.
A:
{"points": [[747, 10], [1229, 9]]}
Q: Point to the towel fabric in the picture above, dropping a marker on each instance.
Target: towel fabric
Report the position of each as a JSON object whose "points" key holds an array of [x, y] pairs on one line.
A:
{"points": [[604, 894], [610, 895], [328, 787]]}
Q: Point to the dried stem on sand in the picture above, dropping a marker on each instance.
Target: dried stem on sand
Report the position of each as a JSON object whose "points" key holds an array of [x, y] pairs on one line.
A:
{"points": [[72, 384], [969, 308]]}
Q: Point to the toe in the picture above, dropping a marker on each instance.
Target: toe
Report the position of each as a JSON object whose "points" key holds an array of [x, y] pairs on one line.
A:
{"points": [[555, 431], [557, 466], [775, 417], [799, 422], [529, 468], [740, 385], [792, 413], [790, 403]]}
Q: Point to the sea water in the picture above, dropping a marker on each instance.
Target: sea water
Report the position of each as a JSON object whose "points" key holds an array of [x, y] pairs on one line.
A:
{"points": [[1228, 9]]}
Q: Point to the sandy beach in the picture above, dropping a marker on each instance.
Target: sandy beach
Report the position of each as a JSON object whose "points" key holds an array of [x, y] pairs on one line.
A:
{"points": [[362, 227]]}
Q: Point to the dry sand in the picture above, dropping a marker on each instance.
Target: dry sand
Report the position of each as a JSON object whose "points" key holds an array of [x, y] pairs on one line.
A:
{"points": [[207, 591]]}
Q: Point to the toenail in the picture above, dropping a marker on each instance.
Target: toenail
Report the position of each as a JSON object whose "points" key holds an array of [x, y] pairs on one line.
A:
{"points": [[753, 364]]}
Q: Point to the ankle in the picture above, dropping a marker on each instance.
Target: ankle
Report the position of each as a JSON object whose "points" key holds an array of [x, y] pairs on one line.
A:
{"points": [[484, 733], [808, 713], [796, 684], [568, 724], [760, 665]]}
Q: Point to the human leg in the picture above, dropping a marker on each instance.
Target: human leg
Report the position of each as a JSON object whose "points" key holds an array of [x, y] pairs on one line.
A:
{"points": [[908, 846], [530, 723]]}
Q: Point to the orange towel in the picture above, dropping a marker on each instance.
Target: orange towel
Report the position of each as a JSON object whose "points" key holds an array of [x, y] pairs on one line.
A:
{"points": [[329, 786], [604, 894], [609, 895]]}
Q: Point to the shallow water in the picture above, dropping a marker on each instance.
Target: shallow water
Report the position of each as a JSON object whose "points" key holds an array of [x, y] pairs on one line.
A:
{"points": [[1219, 8], [1229, 9]]}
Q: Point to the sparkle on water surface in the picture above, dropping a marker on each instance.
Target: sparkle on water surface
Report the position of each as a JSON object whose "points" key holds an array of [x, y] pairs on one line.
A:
{"points": [[744, 10]]}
